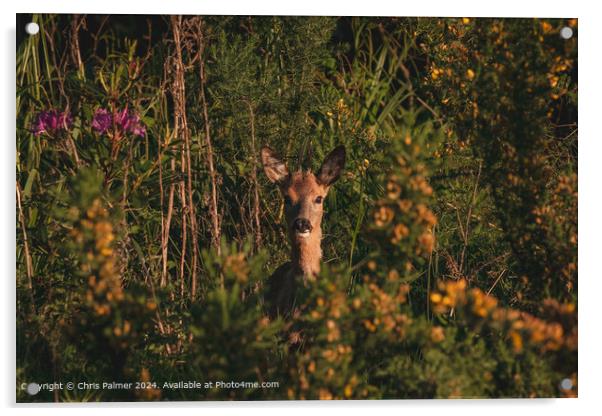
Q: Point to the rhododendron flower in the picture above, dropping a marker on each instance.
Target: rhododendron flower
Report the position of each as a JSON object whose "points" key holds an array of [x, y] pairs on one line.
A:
{"points": [[102, 120], [51, 121], [136, 127], [129, 122], [126, 122]]}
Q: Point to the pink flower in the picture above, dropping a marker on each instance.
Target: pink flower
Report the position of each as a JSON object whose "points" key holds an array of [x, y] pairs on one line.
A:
{"points": [[129, 122], [51, 121], [122, 119], [102, 120]]}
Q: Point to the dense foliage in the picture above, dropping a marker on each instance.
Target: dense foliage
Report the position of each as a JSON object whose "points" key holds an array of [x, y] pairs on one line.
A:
{"points": [[146, 229]]}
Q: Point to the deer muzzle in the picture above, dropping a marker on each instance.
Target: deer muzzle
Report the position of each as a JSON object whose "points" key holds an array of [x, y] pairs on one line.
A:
{"points": [[302, 227]]}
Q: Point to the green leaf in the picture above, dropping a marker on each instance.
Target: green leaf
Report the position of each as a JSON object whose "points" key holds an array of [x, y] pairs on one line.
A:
{"points": [[30, 178]]}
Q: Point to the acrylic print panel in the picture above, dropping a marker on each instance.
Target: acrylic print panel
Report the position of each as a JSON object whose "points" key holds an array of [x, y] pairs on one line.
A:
{"points": [[269, 208]]}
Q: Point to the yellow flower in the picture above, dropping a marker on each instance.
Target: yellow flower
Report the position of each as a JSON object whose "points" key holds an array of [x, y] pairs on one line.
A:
{"points": [[435, 72], [482, 312], [546, 27], [290, 393], [393, 190], [325, 394], [404, 205], [470, 73], [437, 334], [427, 241], [517, 341], [400, 231], [348, 391], [369, 325], [383, 216], [436, 297]]}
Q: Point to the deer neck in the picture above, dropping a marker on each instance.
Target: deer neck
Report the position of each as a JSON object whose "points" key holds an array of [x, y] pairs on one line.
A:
{"points": [[306, 254]]}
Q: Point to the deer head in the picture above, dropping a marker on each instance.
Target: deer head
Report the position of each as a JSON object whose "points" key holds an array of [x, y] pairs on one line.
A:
{"points": [[304, 194]]}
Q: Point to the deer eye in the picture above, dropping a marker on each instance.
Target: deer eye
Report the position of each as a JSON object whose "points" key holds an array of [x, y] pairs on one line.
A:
{"points": [[318, 200]]}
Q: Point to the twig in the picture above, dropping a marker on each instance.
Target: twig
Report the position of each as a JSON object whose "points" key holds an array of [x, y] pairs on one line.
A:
{"points": [[466, 228], [76, 22], [496, 280], [74, 149], [212, 173], [188, 205], [28, 263], [254, 178], [165, 238], [428, 107]]}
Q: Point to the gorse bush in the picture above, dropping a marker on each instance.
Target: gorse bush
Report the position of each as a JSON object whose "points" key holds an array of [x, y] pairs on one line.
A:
{"points": [[146, 229], [510, 86]]}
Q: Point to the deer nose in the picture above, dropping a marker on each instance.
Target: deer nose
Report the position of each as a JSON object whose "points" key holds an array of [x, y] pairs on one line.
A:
{"points": [[302, 225]]}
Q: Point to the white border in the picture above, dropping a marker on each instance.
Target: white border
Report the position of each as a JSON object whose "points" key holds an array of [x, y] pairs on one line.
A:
{"points": [[589, 202], [465, 8]]}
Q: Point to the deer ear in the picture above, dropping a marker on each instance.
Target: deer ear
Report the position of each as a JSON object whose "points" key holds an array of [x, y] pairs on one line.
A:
{"points": [[274, 168], [332, 166]]}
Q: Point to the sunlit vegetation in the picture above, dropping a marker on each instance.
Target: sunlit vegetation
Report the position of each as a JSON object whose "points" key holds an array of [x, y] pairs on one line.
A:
{"points": [[146, 228]]}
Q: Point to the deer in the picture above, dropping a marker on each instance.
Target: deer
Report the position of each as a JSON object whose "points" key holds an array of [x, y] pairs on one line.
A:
{"points": [[304, 193]]}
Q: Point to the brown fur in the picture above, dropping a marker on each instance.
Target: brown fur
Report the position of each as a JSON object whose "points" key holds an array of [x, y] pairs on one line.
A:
{"points": [[302, 191]]}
